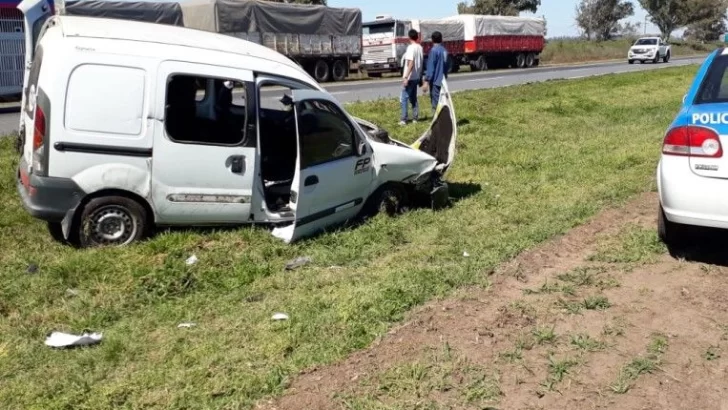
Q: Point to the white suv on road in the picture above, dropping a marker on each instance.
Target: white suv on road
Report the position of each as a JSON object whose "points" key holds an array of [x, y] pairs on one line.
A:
{"points": [[649, 49]]}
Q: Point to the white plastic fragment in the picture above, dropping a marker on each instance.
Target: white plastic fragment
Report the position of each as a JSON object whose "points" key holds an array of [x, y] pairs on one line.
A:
{"points": [[192, 260], [59, 339], [186, 325], [280, 317], [466, 254]]}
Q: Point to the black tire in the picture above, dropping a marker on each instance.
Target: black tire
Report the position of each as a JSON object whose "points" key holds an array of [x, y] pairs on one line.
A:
{"points": [[389, 198], [454, 64], [338, 70], [670, 233], [521, 60], [321, 71], [530, 60], [55, 229], [481, 64], [666, 59], [630, 61], [111, 221], [656, 60]]}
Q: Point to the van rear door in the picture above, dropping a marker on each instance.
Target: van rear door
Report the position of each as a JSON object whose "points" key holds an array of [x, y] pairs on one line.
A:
{"points": [[35, 14]]}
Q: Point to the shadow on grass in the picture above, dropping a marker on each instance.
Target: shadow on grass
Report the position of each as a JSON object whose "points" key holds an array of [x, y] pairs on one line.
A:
{"points": [[703, 245]]}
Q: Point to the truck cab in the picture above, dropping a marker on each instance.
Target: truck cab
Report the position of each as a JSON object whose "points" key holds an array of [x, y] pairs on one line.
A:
{"points": [[384, 43], [653, 49], [137, 125]]}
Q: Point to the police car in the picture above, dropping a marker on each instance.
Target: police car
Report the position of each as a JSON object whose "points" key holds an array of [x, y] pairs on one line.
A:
{"points": [[692, 175]]}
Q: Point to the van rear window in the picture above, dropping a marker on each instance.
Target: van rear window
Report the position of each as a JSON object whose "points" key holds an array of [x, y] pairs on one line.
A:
{"points": [[715, 84], [106, 99]]}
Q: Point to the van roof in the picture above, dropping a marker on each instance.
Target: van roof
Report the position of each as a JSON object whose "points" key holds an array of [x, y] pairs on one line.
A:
{"points": [[115, 29]]}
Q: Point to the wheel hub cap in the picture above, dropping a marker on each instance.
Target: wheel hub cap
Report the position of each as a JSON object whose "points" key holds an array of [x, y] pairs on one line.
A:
{"points": [[113, 226]]}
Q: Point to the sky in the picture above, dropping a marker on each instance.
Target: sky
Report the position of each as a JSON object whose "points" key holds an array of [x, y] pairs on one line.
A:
{"points": [[559, 13]]}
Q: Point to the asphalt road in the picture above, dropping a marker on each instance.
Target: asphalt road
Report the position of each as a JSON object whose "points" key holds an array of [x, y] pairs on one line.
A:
{"points": [[390, 88]]}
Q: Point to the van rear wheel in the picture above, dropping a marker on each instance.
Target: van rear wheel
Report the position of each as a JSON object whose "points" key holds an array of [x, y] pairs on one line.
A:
{"points": [[111, 221]]}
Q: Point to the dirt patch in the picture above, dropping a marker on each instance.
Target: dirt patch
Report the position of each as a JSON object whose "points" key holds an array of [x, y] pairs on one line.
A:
{"points": [[569, 325]]}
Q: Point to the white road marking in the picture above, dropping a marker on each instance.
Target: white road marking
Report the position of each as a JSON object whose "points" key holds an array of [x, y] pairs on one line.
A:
{"points": [[484, 79]]}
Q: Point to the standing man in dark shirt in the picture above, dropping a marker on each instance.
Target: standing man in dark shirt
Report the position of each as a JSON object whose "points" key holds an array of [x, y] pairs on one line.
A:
{"points": [[437, 68]]}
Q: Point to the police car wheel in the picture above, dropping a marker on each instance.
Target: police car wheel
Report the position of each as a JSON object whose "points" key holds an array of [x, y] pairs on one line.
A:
{"points": [[670, 233]]}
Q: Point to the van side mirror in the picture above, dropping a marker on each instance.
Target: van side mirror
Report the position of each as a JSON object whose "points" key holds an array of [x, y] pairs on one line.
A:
{"points": [[361, 148]]}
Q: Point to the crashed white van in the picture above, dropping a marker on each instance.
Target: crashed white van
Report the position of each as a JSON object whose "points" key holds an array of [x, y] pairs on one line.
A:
{"points": [[129, 125]]}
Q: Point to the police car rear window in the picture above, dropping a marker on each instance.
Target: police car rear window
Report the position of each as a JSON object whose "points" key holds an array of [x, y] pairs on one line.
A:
{"points": [[715, 85]]}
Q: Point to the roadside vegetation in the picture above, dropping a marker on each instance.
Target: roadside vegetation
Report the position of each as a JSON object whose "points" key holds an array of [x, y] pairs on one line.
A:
{"points": [[533, 161], [566, 51]]}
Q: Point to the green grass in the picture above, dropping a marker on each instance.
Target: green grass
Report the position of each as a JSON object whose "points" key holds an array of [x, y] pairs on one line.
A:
{"points": [[524, 173], [646, 364], [575, 51], [634, 245], [445, 374]]}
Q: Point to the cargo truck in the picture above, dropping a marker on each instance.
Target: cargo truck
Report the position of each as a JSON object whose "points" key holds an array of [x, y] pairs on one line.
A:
{"points": [[478, 41], [325, 41]]}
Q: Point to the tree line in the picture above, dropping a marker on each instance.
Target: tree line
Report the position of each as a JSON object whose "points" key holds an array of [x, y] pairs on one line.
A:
{"points": [[704, 20]]}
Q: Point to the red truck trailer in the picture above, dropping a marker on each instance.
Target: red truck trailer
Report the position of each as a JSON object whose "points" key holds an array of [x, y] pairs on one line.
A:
{"points": [[476, 40]]}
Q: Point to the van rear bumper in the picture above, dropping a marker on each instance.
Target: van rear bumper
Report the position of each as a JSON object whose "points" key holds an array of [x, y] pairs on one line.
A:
{"points": [[47, 198]]}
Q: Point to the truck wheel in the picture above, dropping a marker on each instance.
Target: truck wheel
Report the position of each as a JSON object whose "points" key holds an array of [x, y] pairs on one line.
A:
{"points": [[666, 59], [530, 58], [656, 60], [630, 61], [321, 72], [520, 61], [453, 63], [338, 70], [111, 221], [481, 64]]}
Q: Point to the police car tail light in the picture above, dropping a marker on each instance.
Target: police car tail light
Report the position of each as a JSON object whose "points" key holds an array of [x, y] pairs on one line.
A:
{"points": [[39, 136], [692, 141]]}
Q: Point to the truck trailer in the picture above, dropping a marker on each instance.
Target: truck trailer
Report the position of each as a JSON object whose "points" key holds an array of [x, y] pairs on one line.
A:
{"points": [[325, 41], [479, 41]]}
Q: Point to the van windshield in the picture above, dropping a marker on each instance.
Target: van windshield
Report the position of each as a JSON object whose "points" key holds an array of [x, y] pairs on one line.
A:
{"points": [[385, 28]]}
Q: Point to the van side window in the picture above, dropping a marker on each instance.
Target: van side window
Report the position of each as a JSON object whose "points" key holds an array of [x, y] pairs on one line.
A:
{"points": [[106, 99], [205, 110], [325, 134]]}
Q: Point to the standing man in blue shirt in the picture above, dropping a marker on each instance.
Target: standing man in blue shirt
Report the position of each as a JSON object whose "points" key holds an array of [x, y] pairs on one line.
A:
{"points": [[437, 68]]}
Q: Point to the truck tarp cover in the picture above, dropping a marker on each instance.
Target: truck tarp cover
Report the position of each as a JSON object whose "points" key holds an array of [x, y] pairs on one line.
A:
{"points": [[161, 13], [254, 16], [480, 25], [451, 30]]}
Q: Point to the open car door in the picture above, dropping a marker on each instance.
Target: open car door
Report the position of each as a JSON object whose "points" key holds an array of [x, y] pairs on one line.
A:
{"points": [[334, 169], [440, 139]]}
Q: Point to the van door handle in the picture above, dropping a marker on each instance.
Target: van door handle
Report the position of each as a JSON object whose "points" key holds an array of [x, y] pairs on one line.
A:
{"points": [[312, 180], [237, 164]]}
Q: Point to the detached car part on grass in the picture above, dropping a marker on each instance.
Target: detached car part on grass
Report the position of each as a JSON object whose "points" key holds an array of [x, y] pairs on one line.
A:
{"points": [[106, 171]]}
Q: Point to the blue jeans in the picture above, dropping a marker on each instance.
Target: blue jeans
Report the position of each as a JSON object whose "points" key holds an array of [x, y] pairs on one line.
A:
{"points": [[409, 94], [435, 96]]}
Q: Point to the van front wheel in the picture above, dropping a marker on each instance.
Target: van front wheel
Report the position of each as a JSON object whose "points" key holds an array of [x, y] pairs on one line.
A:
{"points": [[112, 221]]}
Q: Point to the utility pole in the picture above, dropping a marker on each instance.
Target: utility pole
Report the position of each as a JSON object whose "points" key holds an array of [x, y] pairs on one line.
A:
{"points": [[645, 24]]}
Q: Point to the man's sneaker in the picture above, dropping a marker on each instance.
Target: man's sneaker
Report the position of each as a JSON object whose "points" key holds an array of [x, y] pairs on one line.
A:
{"points": [[403, 123]]}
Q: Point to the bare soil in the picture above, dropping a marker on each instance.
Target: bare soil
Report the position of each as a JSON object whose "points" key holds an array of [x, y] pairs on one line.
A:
{"points": [[668, 310]]}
